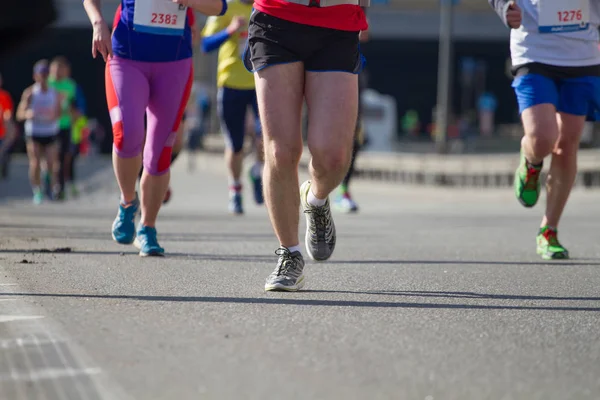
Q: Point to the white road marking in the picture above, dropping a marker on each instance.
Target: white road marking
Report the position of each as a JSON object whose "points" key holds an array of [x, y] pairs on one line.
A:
{"points": [[12, 318], [8, 299], [8, 284], [48, 373], [26, 341]]}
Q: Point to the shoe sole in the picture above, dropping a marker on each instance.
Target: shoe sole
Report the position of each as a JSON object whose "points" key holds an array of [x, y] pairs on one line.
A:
{"points": [[123, 243], [281, 288], [137, 245], [557, 256]]}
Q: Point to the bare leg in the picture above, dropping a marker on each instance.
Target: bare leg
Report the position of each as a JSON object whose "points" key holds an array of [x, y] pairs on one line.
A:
{"points": [[280, 90], [563, 168], [332, 100]]}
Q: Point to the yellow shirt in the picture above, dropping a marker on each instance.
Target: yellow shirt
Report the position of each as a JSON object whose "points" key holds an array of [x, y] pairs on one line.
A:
{"points": [[231, 72]]}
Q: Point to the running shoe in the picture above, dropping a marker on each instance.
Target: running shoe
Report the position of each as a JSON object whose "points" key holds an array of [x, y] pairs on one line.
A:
{"points": [[235, 204], [548, 245], [320, 229], [527, 183], [38, 197], [123, 228], [288, 275], [257, 187], [147, 242], [345, 203]]}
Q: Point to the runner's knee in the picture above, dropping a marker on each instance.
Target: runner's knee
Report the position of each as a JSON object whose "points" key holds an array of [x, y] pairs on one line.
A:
{"points": [[541, 128], [280, 154]]}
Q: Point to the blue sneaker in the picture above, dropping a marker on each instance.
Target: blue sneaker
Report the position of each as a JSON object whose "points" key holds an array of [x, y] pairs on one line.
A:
{"points": [[147, 242], [256, 180], [123, 228], [235, 204]]}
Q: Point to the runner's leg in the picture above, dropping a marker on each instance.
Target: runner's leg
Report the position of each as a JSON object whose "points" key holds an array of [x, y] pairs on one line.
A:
{"points": [[280, 90], [172, 80]]}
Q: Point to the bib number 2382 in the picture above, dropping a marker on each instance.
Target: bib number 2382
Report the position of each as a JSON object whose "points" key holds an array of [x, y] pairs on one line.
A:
{"points": [[159, 17], [557, 16]]}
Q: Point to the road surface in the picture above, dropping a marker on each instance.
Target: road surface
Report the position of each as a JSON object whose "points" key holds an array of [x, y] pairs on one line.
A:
{"points": [[432, 294]]}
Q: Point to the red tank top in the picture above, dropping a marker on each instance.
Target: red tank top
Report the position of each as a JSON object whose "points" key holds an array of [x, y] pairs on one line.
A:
{"points": [[344, 17]]}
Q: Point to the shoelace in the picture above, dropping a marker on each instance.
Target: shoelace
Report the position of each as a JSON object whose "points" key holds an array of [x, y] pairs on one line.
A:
{"points": [[321, 217], [551, 237], [287, 261], [531, 178]]}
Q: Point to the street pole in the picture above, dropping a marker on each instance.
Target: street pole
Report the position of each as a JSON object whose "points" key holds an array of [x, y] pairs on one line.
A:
{"points": [[444, 75]]}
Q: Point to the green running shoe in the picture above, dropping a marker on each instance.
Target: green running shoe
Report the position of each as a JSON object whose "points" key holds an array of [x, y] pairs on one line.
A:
{"points": [[548, 245], [527, 183]]}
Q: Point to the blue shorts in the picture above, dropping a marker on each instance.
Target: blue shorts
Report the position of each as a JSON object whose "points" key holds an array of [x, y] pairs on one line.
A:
{"points": [[576, 96], [232, 106]]}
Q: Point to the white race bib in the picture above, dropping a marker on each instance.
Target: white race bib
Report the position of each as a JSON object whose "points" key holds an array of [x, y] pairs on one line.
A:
{"points": [[557, 16], [159, 17]]}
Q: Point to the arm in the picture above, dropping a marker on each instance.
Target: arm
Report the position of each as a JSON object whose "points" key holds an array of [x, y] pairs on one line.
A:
{"points": [[213, 42], [23, 111], [92, 9], [501, 8], [217, 31], [101, 42], [58, 107], [206, 7]]}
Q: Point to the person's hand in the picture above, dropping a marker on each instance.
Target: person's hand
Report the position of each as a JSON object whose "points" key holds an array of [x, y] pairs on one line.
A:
{"points": [[101, 42], [513, 15], [237, 24], [363, 36]]}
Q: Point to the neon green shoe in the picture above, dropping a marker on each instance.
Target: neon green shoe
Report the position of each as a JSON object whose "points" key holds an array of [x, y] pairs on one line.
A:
{"points": [[548, 245], [527, 183]]}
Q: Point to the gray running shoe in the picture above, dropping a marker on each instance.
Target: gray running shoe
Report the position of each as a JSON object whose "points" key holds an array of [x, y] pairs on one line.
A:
{"points": [[288, 274], [320, 229]]}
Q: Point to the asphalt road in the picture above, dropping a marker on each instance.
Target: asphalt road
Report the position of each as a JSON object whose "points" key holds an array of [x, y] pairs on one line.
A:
{"points": [[432, 294]]}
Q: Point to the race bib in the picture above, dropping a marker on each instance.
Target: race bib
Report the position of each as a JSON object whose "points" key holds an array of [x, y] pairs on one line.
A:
{"points": [[159, 17], [242, 41], [557, 16]]}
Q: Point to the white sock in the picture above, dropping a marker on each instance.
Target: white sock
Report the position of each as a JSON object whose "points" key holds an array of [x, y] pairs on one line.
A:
{"points": [[295, 248], [256, 170], [313, 201]]}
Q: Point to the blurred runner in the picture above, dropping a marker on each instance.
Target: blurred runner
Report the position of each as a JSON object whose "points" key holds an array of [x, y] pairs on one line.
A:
{"points": [[305, 49], [79, 136], [40, 108], [556, 64], [60, 80], [237, 93], [7, 130], [148, 71], [344, 202]]}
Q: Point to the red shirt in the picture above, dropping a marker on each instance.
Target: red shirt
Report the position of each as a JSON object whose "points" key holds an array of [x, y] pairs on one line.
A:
{"points": [[6, 104], [344, 17]]}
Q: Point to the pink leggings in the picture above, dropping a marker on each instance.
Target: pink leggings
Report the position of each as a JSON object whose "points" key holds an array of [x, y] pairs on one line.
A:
{"points": [[161, 91]]}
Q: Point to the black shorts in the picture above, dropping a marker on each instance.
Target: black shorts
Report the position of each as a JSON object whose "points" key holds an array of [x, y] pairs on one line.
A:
{"points": [[43, 141], [273, 41]]}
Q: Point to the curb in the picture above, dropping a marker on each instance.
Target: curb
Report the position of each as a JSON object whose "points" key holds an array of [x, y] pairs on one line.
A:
{"points": [[460, 170]]}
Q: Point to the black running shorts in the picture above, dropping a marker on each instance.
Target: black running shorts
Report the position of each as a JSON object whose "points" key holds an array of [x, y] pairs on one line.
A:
{"points": [[273, 41]]}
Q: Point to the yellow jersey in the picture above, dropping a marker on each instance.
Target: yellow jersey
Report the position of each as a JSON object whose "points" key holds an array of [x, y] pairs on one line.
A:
{"points": [[231, 72]]}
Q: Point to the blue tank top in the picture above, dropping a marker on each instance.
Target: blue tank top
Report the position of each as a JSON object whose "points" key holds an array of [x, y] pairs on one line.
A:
{"points": [[155, 32]]}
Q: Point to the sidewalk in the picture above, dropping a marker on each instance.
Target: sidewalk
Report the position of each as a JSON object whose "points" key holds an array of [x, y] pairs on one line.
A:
{"points": [[471, 170]]}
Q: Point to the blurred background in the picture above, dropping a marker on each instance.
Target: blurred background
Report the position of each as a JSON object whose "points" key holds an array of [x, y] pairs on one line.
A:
{"points": [[401, 76]]}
